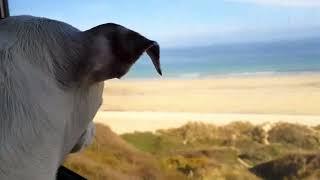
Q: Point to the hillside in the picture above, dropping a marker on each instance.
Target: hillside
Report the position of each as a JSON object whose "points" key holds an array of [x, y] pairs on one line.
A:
{"points": [[201, 151], [110, 157]]}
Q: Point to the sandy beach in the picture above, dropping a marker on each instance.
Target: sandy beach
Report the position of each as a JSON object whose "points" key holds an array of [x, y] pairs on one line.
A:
{"points": [[143, 105]]}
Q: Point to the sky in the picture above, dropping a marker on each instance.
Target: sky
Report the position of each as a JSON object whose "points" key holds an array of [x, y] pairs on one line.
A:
{"points": [[178, 23]]}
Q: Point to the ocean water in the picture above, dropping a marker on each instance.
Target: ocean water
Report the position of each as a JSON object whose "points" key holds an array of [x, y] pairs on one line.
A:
{"points": [[301, 56]]}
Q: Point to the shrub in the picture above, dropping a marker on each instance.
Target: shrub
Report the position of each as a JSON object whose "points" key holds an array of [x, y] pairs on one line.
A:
{"points": [[295, 135]]}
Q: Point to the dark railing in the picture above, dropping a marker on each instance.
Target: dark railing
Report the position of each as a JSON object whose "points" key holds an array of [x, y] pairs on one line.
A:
{"points": [[4, 9]]}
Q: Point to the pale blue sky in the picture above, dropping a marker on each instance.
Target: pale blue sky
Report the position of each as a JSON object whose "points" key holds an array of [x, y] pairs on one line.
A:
{"points": [[187, 22]]}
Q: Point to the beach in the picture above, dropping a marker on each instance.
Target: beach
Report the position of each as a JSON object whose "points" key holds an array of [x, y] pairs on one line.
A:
{"points": [[146, 105]]}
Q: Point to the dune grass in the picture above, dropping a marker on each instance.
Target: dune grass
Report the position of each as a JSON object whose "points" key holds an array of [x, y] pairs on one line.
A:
{"points": [[202, 151], [110, 157]]}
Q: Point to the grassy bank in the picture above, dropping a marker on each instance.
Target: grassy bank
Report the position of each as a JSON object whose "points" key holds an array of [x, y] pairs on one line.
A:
{"points": [[201, 151]]}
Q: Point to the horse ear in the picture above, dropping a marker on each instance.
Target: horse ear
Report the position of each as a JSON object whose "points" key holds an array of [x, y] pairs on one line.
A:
{"points": [[114, 49]]}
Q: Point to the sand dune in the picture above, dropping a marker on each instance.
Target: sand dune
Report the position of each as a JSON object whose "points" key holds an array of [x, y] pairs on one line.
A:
{"points": [[161, 103]]}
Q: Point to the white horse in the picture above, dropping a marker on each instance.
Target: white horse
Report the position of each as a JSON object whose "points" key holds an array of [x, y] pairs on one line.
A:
{"points": [[51, 83]]}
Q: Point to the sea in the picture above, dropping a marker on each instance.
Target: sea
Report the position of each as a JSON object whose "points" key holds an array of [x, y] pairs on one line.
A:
{"points": [[239, 59]]}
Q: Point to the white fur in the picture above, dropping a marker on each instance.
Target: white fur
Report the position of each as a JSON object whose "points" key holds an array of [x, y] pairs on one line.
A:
{"points": [[41, 120]]}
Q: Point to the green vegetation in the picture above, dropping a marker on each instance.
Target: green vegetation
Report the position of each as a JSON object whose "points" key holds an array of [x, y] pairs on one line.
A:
{"points": [[110, 157], [201, 151]]}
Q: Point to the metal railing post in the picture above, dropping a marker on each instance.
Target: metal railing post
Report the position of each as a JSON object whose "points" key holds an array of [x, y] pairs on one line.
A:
{"points": [[4, 9]]}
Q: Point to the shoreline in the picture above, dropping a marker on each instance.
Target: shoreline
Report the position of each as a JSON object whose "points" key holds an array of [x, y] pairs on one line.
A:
{"points": [[262, 74]]}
